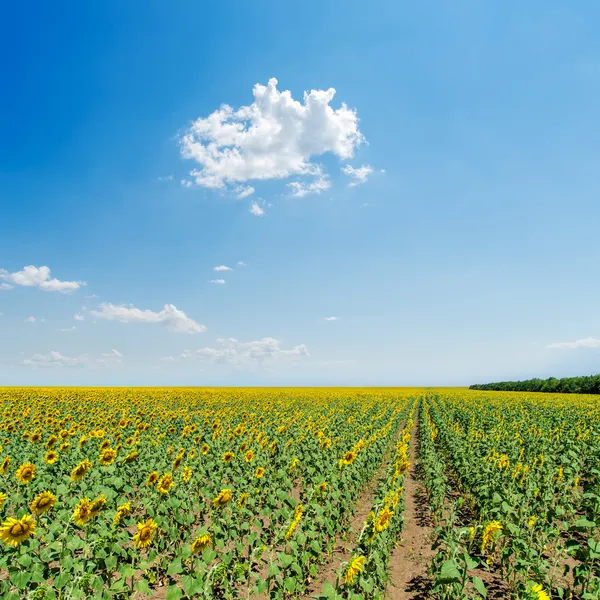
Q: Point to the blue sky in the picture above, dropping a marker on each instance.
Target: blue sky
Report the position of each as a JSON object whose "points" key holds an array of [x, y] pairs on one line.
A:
{"points": [[465, 250]]}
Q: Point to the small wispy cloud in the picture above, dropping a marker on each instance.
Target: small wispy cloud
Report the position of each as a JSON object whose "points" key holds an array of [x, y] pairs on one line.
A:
{"points": [[79, 317], [30, 320], [243, 191], [222, 268], [588, 342], [257, 210], [217, 281], [166, 178], [65, 329], [301, 188], [357, 176], [241, 263], [331, 318]]}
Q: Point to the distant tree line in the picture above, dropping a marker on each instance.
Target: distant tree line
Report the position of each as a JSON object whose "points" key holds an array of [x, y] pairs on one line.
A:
{"points": [[567, 385]]}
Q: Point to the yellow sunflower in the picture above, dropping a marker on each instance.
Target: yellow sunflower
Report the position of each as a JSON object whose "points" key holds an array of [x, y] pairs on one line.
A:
{"points": [[205, 449], [42, 503], [223, 497], [82, 513], [249, 456], [165, 483], [107, 456], [355, 566], [152, 478], [80, 470], [15, 531], [122, 511], [97, 505], [26, 472], [228, 456], [4, 465], [145, 532], [51, 457], [202, 541], [3, 498], [260, 471]]}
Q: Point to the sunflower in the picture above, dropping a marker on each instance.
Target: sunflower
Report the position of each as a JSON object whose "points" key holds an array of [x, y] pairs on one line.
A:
{"points": [[322, 487], [51, 441], [82, 513], [260, 471], [80, 470], [97, 505], [489, 533], [223, 498], [383, 519], [205, 449], [186, 474], [131, 457], [105, 444], [83, 441], [165, 483], [538, 592], [531, 521], [42, 503], [242, 500], [51, 457], [122, 511], [107, 456], [355, 566], [143, 537], [249, 456], [4, 465], [36, 436], [349, 457], [26, 472], [228, 456], [177, 462], [3, 498], [64, 446], [152, 478], [202, 541], [15, 531]]}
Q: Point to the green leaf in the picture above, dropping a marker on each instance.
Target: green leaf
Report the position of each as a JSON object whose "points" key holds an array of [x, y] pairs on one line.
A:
{"points": [[175, 568], [449, 573], [20, 578], [290, 584], [480, 586], [143, 587], [174, 593]]}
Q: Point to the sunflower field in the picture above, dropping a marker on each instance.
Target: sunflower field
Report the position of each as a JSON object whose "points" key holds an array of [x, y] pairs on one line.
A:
{"points": [[185, 493], [251, 493]]}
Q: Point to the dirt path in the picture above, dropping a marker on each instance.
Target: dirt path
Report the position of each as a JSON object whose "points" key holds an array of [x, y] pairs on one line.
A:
{"points": [[343, 548], [412, 556]]}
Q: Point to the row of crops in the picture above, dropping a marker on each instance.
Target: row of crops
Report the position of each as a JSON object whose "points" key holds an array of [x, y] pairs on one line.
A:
{"points": [[514, 489], [246, 493]]}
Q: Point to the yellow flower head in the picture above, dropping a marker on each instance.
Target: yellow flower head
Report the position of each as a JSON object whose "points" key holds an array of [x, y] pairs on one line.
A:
{"points": [[4, 465], [26, 472], [260, 471], [201, 542], [145, 532], [205, 449], [223, 498], [186, 474], [80, 470], [42, 503], [82, 513], [165, 483], [152, 478], [242, 499], [538, 592], [228, 456], [97, 505], [51, 457], [249, 456], [122, 511], [489, 534], [107, 456], [15, 531], [355, 566]]}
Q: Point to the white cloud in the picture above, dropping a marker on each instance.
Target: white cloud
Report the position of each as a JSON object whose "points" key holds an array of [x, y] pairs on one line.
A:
{"points": [[39, 277], [241, 263], [301, 189], [54, 359], [172, 318], [79, 317], [65, 329], [217, 281], [331, 318], [30, 320], [588, 342], [257, 210], [166, 178], [357, 176], [6, 286], [273, 138], [263, 352], [243, 191], [222, 268]]}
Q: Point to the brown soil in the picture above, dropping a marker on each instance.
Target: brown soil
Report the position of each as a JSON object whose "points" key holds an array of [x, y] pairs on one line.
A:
{"points": [[412, 556]]}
